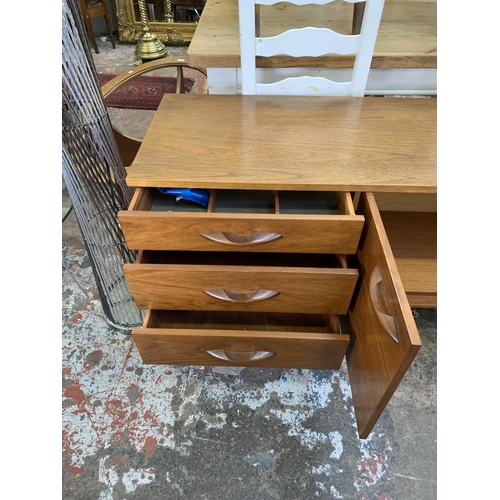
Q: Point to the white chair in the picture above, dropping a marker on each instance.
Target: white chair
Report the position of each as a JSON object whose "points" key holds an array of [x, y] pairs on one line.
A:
{"points": [[308, 41]]}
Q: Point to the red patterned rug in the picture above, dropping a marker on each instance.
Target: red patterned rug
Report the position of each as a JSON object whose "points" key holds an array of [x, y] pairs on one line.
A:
{"points": [[143, 92]]}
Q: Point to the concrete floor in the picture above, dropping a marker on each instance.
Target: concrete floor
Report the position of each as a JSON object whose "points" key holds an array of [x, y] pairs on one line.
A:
{"points": [[135, 431]]}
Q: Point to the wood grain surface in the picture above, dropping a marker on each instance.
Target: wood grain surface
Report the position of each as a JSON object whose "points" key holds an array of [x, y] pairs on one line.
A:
{"points": [[304, 283], [376, 361], [297, 341], [413, 240], [307, 143]]}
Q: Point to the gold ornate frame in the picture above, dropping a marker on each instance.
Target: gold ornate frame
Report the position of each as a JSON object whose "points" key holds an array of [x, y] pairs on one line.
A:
{"points": [[130, 29]]}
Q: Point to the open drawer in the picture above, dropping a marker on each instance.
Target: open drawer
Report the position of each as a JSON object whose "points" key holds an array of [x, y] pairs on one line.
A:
{"points": [[241, 339], [239, 220], [275, 282]]}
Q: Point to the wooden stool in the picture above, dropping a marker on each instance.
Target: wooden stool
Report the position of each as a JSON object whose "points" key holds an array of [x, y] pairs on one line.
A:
{"points": [[96, 8]]}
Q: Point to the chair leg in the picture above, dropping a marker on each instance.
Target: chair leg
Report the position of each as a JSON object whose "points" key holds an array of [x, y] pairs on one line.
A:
{"points": [[110, 31], [90, 33]]}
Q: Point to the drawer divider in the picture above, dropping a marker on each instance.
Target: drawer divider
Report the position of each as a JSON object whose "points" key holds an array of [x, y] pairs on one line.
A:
{"points": [[212, 201]]}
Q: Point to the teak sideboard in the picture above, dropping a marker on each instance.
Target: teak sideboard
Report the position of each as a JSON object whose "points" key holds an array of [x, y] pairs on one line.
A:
{"points": [[318, 238]]}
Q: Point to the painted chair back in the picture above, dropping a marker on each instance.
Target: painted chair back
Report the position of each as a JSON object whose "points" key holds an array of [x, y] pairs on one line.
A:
{"points": [[308, 41]]}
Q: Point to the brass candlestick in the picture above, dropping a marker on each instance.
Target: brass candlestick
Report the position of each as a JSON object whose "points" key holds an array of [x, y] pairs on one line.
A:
{"points": [[169, 15], [148, 46]]}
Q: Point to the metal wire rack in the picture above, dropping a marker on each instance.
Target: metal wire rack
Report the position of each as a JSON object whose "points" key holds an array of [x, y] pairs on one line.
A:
{"points": [[94, 173]]}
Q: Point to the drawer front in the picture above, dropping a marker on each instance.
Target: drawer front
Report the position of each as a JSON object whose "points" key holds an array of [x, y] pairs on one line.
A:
{"points": [[241, 288], [266, 233], [259, 340], [210, 230]]}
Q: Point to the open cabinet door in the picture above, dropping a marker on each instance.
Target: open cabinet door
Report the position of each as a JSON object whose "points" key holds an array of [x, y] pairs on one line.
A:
{"points": [[384, 337]]}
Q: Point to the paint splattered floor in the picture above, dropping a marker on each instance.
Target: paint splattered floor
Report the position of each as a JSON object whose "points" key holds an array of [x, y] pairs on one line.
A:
{"points": [[135, 431]]}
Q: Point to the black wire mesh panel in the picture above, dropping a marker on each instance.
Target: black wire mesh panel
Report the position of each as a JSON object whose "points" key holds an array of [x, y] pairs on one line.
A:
{"points": [[93, 172]]}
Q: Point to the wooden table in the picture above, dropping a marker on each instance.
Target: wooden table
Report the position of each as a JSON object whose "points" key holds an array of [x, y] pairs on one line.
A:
{"points": [[404, 61], [260, 276]]}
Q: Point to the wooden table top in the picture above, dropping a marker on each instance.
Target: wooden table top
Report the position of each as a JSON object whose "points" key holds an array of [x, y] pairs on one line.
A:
{"points": [[290, 143], [407, 35]]}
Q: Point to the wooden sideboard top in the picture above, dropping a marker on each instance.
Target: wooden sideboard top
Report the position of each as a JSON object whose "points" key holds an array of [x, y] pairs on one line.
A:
{"points": [[290, 143], [407, 35]]}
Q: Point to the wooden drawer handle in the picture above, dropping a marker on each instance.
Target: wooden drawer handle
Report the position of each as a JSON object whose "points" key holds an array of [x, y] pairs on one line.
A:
{"points": [[240, 357], [241, 297], [380, 306], [241, 240]]}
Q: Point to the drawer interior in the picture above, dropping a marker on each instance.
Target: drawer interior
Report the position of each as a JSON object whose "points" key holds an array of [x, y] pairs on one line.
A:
{"points": [[243, 321], [249, 202], [169, 203], [242, 259], [308, 202], [243, 201], [270, 202]]}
